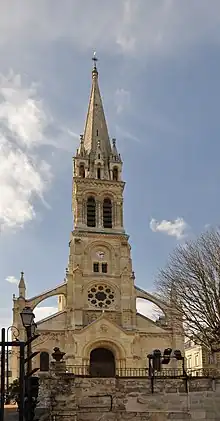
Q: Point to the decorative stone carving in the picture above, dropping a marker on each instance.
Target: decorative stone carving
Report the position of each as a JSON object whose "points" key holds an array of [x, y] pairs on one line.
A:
{"points": [[57, 355], [136, 346], [104, 328]]}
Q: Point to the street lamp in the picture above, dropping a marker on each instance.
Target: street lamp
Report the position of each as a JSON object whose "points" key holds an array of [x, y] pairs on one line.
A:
{"points": [[27, 317]]}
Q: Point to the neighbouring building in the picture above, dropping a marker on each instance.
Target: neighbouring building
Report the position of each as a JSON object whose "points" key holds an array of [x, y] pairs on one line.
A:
{"points": [[193, 356], [198, 358], [97, 324]]}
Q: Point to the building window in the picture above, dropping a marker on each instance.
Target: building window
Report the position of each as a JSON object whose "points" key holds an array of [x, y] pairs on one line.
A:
{"points": [[115, 174], [101, 296], [44, 361], [104, 267], [99, 156], [91, 212], [99, 173], [196, 360], [95, 267], [97, 132], [82, 171], [189, 362], [107, 213]]}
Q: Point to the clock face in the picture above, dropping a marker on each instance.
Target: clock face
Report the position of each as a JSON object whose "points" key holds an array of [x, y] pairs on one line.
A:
{"points": [[100, 254]]}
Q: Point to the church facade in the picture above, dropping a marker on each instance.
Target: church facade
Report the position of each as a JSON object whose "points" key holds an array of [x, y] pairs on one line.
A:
{"points": [[97, 324]]}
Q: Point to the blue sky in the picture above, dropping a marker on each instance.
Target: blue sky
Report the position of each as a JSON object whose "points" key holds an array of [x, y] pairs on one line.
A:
{"points": [[159, 66]]}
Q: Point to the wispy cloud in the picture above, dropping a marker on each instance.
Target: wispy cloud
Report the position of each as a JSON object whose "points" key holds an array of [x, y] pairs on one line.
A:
{"points": [[12, 280], [21, 112], [176, 228], [25, 126], [126, 37], [122, 100], [124, 134], [23, 175], [148, 309], [43, 312], [137, 27]]}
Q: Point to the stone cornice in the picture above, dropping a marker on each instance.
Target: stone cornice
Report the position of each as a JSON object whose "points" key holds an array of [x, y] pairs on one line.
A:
{"points": [[99, 183], [99, 235]]}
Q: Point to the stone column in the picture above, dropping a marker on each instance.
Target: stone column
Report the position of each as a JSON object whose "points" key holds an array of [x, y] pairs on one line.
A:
{"points": [[115, 217], [99, 213]]}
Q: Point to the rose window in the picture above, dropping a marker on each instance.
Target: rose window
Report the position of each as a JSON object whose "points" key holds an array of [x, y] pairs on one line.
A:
{"points": [[101, 296]]}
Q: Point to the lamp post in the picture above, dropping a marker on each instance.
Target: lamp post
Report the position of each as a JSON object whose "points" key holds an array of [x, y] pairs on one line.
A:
{"points": [[15, 334], [27, 317], [157, 358]]}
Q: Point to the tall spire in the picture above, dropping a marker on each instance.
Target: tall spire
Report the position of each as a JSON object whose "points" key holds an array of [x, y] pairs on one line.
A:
{"points": [[96, 127], [22, 286]]}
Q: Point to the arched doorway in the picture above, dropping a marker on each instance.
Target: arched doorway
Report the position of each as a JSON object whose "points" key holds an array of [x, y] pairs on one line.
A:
{"points": [[102, 363]]}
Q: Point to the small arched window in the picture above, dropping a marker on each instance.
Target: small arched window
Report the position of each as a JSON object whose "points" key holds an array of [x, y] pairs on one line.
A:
{"points": [[44, 361], [99, 173], [107, 213], [91, 212], [115, 174], [82, 171]]}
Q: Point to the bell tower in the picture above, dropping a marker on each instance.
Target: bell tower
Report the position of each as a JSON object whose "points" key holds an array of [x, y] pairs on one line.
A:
{"points": [[96, 164], [100, 277]]}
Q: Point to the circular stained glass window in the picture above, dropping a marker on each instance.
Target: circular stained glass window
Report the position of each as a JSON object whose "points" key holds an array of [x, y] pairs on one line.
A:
{"points": [[101, 296]]}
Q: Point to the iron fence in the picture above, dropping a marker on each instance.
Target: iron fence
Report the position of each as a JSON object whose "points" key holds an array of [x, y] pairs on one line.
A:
{"points": [[84, 371]]}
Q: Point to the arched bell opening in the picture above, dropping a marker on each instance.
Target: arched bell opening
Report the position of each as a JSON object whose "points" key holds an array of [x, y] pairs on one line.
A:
{"points": [[82, 171], [107, 213], [102, 363]]}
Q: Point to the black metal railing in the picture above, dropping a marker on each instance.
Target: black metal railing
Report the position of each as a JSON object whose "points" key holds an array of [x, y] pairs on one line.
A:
{"points": [[84, 371]]}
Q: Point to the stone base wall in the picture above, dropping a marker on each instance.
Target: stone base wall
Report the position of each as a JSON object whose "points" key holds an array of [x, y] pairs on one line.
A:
{"points": [[68, 398]]}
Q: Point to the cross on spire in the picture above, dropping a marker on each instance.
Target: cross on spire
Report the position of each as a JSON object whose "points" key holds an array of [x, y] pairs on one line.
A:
{"points": [[94, 59]]}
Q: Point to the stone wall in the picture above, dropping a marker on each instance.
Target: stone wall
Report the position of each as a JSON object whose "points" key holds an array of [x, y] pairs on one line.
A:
{"points": [[69, 398]]}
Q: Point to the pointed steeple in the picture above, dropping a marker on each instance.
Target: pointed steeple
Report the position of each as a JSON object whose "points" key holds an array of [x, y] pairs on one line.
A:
{"points": [[115, 155], [96, 158], [96, 127], [81, 151], [22, 286]]}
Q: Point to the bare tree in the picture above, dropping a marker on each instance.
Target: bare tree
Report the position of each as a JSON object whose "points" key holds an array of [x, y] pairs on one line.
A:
{"points": [[192, 279]]}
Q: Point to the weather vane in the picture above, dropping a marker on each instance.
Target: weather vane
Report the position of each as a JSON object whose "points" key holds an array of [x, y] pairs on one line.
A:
{"points": [[94, 59]]}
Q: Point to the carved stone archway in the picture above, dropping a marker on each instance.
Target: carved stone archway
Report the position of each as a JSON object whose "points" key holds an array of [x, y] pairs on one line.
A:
{"points": [[113, 346], [102, 363]]}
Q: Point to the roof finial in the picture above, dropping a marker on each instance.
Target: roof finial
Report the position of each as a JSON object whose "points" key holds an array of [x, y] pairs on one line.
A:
{"points": [[22, 286], [94, 59]]}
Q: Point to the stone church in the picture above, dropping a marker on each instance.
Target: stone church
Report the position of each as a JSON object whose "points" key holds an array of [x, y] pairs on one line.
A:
{"points": [[97, 324]]}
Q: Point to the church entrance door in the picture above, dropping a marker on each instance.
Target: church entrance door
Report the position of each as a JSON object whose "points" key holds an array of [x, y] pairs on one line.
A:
{"points": [[102, 363]]}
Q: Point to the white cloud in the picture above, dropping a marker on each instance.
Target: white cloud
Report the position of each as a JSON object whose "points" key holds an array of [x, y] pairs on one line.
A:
{"points": [[5, 317], [126, 38], [23, 175], [134, 26], [12, 280], [176, 228], [21, 111], [40, 313], [124, 134], [122, 100], [43, 312], [148, 309]]}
